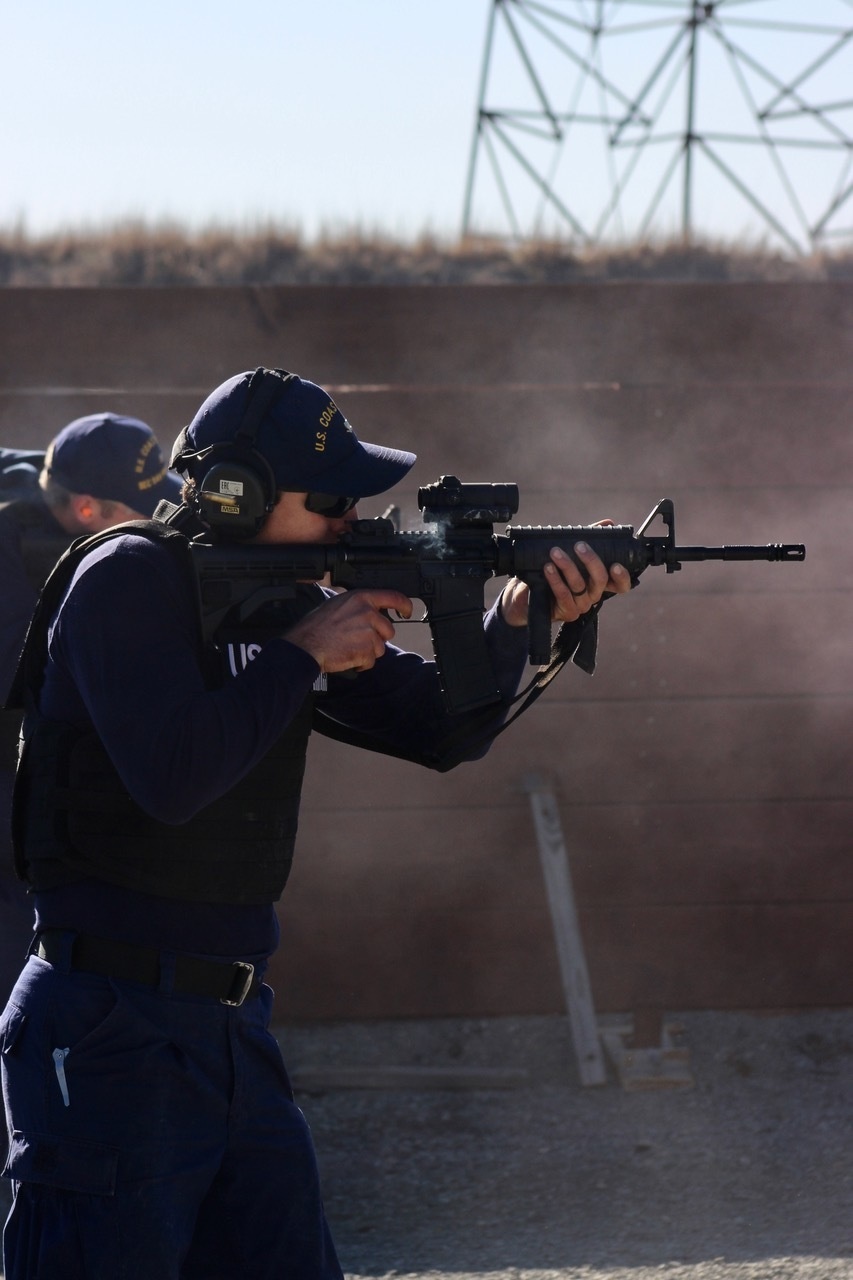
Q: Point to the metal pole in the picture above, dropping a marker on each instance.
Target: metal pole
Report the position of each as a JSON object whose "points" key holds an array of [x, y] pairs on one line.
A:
{"points": [[469, 188], [687, 212]]}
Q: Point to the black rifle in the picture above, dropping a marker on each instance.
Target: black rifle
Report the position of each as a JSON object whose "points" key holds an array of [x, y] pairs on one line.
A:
{"points": [[446, 566]]}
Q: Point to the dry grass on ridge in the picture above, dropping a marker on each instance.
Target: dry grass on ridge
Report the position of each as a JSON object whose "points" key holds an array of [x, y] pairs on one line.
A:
{"points": [[137, 254]]}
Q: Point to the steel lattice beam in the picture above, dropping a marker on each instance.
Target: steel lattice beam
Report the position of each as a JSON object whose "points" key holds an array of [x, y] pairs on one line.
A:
{"points": [[613, 119]]}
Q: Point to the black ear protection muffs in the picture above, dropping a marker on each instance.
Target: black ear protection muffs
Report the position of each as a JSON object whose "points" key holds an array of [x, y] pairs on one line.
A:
{"points": [[238, 491]]}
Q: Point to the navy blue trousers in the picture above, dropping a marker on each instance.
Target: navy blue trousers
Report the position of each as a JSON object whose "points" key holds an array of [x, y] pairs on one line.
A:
{"points": [[153, 1135]]}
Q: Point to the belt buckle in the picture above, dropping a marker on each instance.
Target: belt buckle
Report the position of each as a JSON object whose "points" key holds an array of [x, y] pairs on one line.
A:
{"points": [[243, 973]]}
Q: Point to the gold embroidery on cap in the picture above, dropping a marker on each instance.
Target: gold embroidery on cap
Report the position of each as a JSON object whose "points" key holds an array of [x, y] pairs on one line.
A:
{"points": [[325, 421], [143, 454], [150, 481]]}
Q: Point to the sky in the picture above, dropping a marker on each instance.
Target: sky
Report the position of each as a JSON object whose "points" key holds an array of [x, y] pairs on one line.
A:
{"points": [[339, 115], [321, 113]]}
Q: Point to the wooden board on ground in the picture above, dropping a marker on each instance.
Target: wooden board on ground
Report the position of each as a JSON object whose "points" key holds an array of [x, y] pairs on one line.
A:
{"points": [[646, 1068], [320, 1079]]}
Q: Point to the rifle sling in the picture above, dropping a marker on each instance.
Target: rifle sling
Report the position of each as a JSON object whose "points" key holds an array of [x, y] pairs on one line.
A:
{"points": [[575, 642]]}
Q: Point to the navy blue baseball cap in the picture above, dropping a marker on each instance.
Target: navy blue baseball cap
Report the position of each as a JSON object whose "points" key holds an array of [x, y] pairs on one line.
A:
{"points": [[302, 435], [113, 458]]}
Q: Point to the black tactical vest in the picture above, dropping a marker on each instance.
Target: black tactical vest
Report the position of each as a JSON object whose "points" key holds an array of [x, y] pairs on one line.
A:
{"points": [[73, 818]]}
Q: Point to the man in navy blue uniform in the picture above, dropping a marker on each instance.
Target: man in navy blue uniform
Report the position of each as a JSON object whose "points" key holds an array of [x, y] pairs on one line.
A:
{"points": [[98, 471], [153, 1131]]}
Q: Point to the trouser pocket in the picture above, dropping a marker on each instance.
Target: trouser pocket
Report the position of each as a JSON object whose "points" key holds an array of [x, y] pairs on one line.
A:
{"points": [[57, 1162], [62, 1225]]}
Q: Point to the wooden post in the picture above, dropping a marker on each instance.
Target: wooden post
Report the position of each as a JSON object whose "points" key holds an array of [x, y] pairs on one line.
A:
{"points": [[570, 954]]}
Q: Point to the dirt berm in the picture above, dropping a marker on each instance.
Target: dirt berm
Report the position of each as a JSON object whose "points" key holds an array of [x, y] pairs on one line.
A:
{"points": [[748, 1173]]}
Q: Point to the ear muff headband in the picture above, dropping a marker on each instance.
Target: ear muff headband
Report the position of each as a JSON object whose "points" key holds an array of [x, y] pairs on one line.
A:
{"points": [[237, 493]]}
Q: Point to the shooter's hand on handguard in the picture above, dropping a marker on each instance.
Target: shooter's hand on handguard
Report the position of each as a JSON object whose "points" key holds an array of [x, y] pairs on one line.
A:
{"points": [[572, 595]]}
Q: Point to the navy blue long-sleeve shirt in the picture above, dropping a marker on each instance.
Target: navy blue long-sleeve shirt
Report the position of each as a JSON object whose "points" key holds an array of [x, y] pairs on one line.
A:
{"points": [[123, 657]]}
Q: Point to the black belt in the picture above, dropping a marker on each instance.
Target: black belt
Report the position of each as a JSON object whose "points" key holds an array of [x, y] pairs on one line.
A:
{"points": [[229, 983]]}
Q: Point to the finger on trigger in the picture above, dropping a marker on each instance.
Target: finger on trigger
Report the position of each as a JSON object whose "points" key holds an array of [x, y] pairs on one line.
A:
{"points": [[390, 599]]}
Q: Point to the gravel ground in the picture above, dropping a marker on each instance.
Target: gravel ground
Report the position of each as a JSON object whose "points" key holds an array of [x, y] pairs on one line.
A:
{"points": [[746, 1175]]}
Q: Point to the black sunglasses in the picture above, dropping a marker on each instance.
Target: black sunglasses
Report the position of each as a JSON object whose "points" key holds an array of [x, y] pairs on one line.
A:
{"points": [[330, 505]]}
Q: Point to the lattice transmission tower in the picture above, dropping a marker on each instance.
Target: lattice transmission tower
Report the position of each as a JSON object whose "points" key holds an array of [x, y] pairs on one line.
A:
{"points": [[628, 120]]}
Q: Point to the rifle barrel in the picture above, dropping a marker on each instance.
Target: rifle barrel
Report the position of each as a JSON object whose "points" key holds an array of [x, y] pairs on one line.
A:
{"points": [[772, 551]]}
